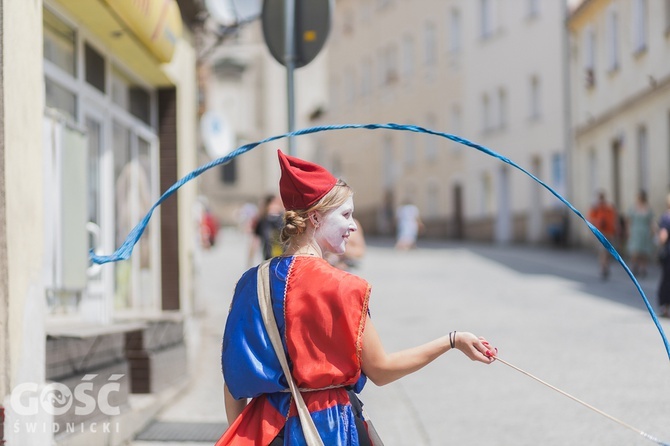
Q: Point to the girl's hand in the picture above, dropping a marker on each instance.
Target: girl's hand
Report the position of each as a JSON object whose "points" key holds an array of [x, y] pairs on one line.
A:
{"points": [[475, 348]]}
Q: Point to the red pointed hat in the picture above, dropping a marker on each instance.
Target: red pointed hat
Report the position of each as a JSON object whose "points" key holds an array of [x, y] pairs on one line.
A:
{"points": [[302, 183]]}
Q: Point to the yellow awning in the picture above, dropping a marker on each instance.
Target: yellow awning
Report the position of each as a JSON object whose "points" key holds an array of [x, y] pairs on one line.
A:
{"points": [[124, 40], [157, 23]]}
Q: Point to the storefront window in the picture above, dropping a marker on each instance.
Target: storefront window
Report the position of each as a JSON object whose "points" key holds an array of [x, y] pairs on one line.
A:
{"points": [[94, 68], [122, 166], [124, 208], [93, 192], [133, 190], [131, 96], [59, 43], [94, 148], [60, 98], [144, 198]]}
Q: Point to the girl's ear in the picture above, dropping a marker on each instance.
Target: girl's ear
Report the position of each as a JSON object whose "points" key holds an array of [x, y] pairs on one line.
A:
{"points": [[315, 218]]}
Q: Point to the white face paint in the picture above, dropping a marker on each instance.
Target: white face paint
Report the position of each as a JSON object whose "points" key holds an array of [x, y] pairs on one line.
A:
{"points": [[334, 228]]}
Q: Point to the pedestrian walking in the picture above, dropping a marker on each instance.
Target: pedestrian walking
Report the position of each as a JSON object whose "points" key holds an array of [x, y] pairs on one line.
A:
{"points": [[266, 230], [409, 224], [604, 217], [640, 244], [664, 257], [316, 319]]}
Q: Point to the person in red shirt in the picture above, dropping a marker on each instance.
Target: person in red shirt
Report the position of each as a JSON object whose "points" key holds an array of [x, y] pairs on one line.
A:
{"points": [[604, 217]]}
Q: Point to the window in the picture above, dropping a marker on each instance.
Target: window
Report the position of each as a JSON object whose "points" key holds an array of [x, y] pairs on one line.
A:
{"points": [[486, 113], [130, 96], [590, 57], [593, 173], [335, 93], [60, 98], [431, 140], [455, 31], [391, 75], [94, 68], [612, 40], [486, 18], [387, 153], [533, 8], [409, 149], [349, 86], [640, 23], [59, 43], [381, 67], [502, 108], [535, 105], [456, 122], [366, 10], [229, 172], [348, 23], [95, 143], [558, 172], [432, 199], [366, 78], [112, 111], [429, 44], [486, 194], [407, 57], [642, 159], [667, 16]]}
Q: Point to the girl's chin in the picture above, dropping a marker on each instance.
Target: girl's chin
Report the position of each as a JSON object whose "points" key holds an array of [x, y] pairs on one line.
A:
{"points": [[338, 251]]}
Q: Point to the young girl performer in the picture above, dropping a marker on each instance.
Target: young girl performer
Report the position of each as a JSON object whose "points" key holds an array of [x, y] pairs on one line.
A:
{"points": [[329, 339]]}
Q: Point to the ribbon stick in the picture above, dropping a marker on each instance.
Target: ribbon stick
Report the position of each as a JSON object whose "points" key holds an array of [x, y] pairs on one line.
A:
{"points": [[125, 250], [610, 417]]}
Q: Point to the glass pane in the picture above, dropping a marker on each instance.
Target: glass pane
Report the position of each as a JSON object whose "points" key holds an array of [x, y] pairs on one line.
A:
{"points": [[140, 104], [229, 172], [60, 98], [145, 199], [131, 97], [124, 212], [94, 150], [59, 43], [94, 131], [95, 68]]}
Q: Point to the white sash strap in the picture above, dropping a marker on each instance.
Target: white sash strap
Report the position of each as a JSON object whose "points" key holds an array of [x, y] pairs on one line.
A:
{"points": [[265, 302]]}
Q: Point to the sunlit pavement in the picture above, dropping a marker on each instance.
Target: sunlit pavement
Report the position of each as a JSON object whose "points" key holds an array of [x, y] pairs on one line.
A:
{"points": [[546, 310]]}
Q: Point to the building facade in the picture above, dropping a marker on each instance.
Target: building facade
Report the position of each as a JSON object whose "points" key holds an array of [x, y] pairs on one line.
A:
{"points": [[99, 117], [244, 90], [620, 59], [452, 66]]}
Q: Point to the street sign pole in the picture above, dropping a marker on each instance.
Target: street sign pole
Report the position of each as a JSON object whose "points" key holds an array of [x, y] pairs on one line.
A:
{"points": [[294, 32], [289, 59]]}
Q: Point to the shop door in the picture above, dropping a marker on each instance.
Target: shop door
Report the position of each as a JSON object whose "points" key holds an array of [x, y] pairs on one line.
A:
{"points": [[96, 305], [137, 279]]}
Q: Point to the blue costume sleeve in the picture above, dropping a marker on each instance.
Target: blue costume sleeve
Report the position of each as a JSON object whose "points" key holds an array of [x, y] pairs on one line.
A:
{"points": [[249, 363]]}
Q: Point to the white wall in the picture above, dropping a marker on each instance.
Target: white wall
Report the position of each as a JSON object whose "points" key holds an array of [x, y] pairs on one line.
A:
{"points": [[23, 111]]}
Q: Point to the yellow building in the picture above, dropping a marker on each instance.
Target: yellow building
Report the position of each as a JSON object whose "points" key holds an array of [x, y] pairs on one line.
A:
{"points": [[620, 76], [452, 66], [98, 119]]}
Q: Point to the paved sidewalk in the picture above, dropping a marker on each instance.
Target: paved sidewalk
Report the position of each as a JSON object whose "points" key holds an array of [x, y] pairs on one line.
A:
{"points": [[548, 312]]}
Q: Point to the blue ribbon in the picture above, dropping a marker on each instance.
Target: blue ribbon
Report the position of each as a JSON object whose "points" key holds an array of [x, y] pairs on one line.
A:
{"points": [[124, 251]]}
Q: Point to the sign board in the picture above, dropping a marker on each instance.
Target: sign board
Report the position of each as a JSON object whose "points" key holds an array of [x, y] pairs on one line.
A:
{"points": [[312, 24]]}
